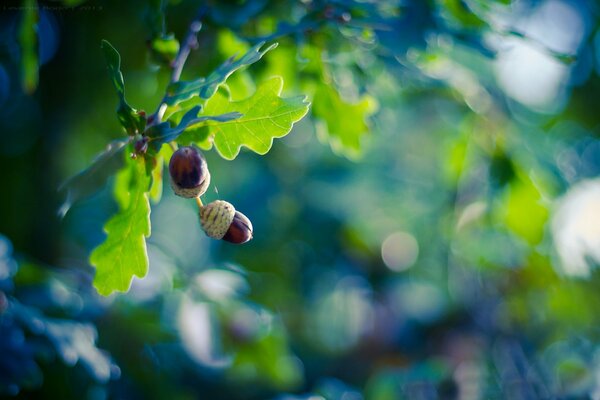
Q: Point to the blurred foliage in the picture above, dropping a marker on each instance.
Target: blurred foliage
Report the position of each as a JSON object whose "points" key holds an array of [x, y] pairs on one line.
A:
{"points": [[430, 230], [28, 42]]}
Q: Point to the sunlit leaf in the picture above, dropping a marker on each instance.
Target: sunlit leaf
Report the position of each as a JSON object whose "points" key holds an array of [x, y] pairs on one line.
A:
{"points": [[163, 132], [241, 83], [123, 254], [344, 124], [121, 187], [206, 87], [265, 116]]}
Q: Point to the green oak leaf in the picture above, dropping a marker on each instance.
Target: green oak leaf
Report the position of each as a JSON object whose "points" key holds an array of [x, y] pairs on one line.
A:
{"points": [[132, 120], [121, 185], [94, 177], [122, 181], [241, 82], [265, 116], [344, 124], [206, 87], [164, 133], [123, 253]]}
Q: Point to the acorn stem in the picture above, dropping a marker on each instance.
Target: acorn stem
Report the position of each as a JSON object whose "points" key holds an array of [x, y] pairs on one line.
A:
{"points": [[173, 146], [199, 202]]}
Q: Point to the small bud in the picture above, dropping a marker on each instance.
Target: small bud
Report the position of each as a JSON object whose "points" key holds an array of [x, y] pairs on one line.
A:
{"points": [[189, 173], [220, 220]]}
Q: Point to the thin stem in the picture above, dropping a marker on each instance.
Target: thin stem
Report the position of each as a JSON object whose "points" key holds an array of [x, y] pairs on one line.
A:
{"points": [[199, 202], [190, 42]]}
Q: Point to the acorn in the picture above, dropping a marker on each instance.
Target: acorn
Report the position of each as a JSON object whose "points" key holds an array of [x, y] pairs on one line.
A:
{"points": [[240, 230], [189, 173], [220, 220]]}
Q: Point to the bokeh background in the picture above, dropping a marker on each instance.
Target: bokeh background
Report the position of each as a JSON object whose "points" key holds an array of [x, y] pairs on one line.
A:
{"points": [[430, 230]]}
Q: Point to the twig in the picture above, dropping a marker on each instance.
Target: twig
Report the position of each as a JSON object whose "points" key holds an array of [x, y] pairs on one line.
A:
{"points": [[190, 42]]}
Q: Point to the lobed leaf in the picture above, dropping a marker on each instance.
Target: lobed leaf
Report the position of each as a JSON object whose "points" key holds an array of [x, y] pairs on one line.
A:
{"points": [[123, 253], [164, 133], [344, 123], [265, 116], [94, 177], [206, 87], [133, 121]]}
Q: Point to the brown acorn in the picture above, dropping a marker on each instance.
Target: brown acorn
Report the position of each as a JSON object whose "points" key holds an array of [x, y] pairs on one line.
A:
{"points": [[240, 230], [189, 172], [220, 220]]}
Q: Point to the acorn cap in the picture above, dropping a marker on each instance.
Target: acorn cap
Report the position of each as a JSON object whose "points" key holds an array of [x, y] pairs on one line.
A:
{"points": [[216, 218], [189, 172]]}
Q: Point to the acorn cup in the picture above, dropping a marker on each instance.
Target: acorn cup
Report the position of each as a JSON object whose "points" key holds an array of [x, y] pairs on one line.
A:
{"points": [[189, 172], [220, 220]]}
